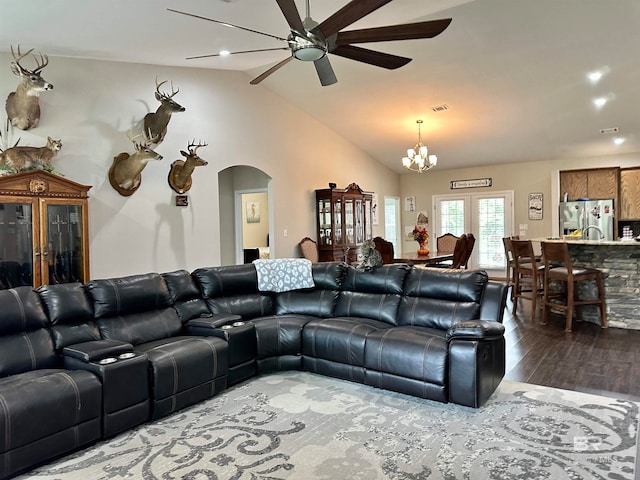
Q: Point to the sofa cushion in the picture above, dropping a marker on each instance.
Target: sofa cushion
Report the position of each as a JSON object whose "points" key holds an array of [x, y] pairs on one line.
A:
{"points": [[227, 281], [21, 310], [372, 293], [66, 303], [438, 298], [38, 404], [411, 352], [279, 335], [339, 339], [185, 292], [70, 313], [126, 295], [184, 370], [329, 275], [141, 327]]}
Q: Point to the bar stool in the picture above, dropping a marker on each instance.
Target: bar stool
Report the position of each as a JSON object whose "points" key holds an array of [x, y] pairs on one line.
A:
{"points": [[558, 266], [528, 274]]}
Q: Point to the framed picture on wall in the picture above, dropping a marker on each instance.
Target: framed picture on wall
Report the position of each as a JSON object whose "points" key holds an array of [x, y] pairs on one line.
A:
{"points": [[253, 212], [410, 204], [535, 206]]}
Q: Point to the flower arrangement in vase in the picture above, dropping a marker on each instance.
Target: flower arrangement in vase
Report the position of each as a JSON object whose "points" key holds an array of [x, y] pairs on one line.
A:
{"points": [[421, 236]]}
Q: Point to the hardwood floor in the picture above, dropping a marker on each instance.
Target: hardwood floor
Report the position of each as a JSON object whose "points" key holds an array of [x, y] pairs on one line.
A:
{"points": [[589, 359]]}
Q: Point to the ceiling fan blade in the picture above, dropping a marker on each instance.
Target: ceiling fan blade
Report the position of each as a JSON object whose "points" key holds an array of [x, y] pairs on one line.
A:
{"points": [[264, 75], [325, 71], [291, 14], [226, 24], [364, 55], [350, 13], [407, 31], [236, 53]]}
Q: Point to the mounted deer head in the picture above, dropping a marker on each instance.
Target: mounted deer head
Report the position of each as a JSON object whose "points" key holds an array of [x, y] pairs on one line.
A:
{"points": [[180, 173], [125, 173], [23, 107], [156, 123]]}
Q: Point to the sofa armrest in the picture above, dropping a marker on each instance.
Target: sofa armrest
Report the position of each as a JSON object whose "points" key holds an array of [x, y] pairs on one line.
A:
{"points": [[475, 330], [96, 350], [209, 325], [494, 301]]}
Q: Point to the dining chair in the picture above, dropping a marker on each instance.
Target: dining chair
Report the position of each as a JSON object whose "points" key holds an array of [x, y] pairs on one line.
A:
{"points": [[528, 274], [471, 241], [446, 243], [385, 248], [559, 267], [309, 249], [459, 255]]}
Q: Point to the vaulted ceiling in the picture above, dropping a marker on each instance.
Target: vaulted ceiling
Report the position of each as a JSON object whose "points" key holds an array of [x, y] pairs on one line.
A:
{"points": [[513, 73]]}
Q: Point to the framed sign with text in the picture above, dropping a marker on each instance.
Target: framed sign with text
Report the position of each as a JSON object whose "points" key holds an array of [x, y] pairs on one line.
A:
{"points": [[535, 206], [473, 183]]}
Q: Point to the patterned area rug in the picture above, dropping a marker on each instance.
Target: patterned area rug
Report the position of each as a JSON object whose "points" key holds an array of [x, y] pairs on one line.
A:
{"points": [[298, 425]]}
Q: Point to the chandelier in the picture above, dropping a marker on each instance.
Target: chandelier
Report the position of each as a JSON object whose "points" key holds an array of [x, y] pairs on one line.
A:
{"points": [[418, 159]]}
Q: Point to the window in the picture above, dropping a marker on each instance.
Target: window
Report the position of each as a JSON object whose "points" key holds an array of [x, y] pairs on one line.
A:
{"points": [[392, 221]]}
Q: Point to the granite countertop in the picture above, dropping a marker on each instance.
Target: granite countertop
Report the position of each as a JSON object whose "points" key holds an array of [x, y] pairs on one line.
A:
{"points": [[579, 241]]}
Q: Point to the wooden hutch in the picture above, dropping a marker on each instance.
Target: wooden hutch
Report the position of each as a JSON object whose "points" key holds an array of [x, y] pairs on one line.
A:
{"points": [[344, 222], [43, 230]]}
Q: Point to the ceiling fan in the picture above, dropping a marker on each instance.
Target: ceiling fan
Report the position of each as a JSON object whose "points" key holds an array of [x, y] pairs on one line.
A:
{"points": [[310, 41]]}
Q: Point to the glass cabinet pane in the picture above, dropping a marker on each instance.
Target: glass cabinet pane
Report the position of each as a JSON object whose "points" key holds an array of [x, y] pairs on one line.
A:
{"points": [[337, 215], [367, 220], [359, 224], [64, 243], [324, 222], [16, 245], [349, 220]]}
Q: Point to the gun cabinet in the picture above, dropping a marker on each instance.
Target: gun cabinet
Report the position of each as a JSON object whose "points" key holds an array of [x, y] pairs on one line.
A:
{"points": [[344, 223], [43, 230]]}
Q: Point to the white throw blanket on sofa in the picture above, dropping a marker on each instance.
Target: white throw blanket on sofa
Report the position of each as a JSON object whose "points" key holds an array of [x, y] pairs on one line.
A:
{"points": [[283, 274]]}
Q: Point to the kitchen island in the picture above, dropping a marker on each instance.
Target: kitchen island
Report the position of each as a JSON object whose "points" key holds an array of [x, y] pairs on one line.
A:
{"points": [[620, 263]]}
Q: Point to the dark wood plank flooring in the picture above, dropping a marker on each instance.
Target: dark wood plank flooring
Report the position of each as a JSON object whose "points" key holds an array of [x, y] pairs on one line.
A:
{"points": [[590, 359]]}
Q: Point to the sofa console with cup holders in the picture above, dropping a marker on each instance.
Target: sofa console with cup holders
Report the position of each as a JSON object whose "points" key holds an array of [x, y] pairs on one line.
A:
{"points": [[111, 354]]}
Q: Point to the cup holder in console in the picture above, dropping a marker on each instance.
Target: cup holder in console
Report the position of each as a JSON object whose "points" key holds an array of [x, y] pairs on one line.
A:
{"points": [[107, 361], [110, 360]]}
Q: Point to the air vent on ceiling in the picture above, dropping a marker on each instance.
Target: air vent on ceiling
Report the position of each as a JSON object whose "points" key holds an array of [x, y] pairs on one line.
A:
{"points": [[610, 130], [441, 108]]}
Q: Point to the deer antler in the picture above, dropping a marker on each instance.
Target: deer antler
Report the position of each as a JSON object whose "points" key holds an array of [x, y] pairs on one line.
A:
{"points": [[162, 94], [20, 56], [40, 63], [191, 146]]}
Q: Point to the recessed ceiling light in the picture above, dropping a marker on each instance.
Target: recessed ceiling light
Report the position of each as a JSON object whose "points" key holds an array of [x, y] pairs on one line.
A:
{"points": [[599, 102], [224, 53], [594, 76], [618, 140]]}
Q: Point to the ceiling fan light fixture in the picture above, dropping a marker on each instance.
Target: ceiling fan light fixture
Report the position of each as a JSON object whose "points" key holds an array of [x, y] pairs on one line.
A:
{"points": [[307, 49], [417, 159]]}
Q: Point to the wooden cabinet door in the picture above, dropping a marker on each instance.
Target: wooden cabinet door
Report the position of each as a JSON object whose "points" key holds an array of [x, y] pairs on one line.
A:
{"points": [[602, 183], [574, 183], [630, 194]]}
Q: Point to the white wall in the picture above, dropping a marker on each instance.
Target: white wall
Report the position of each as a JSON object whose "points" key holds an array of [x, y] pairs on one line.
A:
{"points": [[93, 106]]}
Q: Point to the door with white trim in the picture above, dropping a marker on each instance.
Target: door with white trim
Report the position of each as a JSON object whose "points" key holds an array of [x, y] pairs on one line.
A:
{"points": [[489, 216]]}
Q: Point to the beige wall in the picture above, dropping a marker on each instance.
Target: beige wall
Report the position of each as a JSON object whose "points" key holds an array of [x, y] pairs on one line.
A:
{"points": [[522, 178], [95, 103]]}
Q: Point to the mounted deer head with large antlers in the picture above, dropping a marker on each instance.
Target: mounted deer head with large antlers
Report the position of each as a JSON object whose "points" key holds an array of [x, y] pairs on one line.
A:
{"points": [[180, 173], [156, 123], [23, 106], [125, 174]]}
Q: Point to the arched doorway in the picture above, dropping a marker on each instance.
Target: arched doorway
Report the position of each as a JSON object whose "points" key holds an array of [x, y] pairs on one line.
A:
{"points": [[245, 201]]}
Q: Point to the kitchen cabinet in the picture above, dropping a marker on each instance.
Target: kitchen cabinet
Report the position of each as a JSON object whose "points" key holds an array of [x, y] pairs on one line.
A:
{"points": [[595, 183], [344, 222], [43, 230], [630, 193]]}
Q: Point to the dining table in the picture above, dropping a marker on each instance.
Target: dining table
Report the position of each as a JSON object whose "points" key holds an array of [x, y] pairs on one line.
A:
{"points": [[413, 258]]}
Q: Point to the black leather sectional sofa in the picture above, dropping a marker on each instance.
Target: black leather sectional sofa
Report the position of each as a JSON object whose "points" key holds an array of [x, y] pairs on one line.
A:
{"points": [[79, 363]]}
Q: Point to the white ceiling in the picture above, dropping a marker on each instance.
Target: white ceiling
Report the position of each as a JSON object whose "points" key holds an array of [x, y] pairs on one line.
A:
{"points": [[513, 72]]}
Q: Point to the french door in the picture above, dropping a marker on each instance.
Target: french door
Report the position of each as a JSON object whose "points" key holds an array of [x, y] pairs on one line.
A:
{"points": [[489, 216]]}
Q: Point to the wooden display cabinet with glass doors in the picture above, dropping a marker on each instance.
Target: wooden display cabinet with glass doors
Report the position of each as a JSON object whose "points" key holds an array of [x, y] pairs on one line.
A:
{"points": [[43, 230], [344, 223]]}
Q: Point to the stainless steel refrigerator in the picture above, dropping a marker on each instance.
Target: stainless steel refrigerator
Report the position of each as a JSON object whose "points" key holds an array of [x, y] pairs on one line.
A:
{"points": [[594, 218]]}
